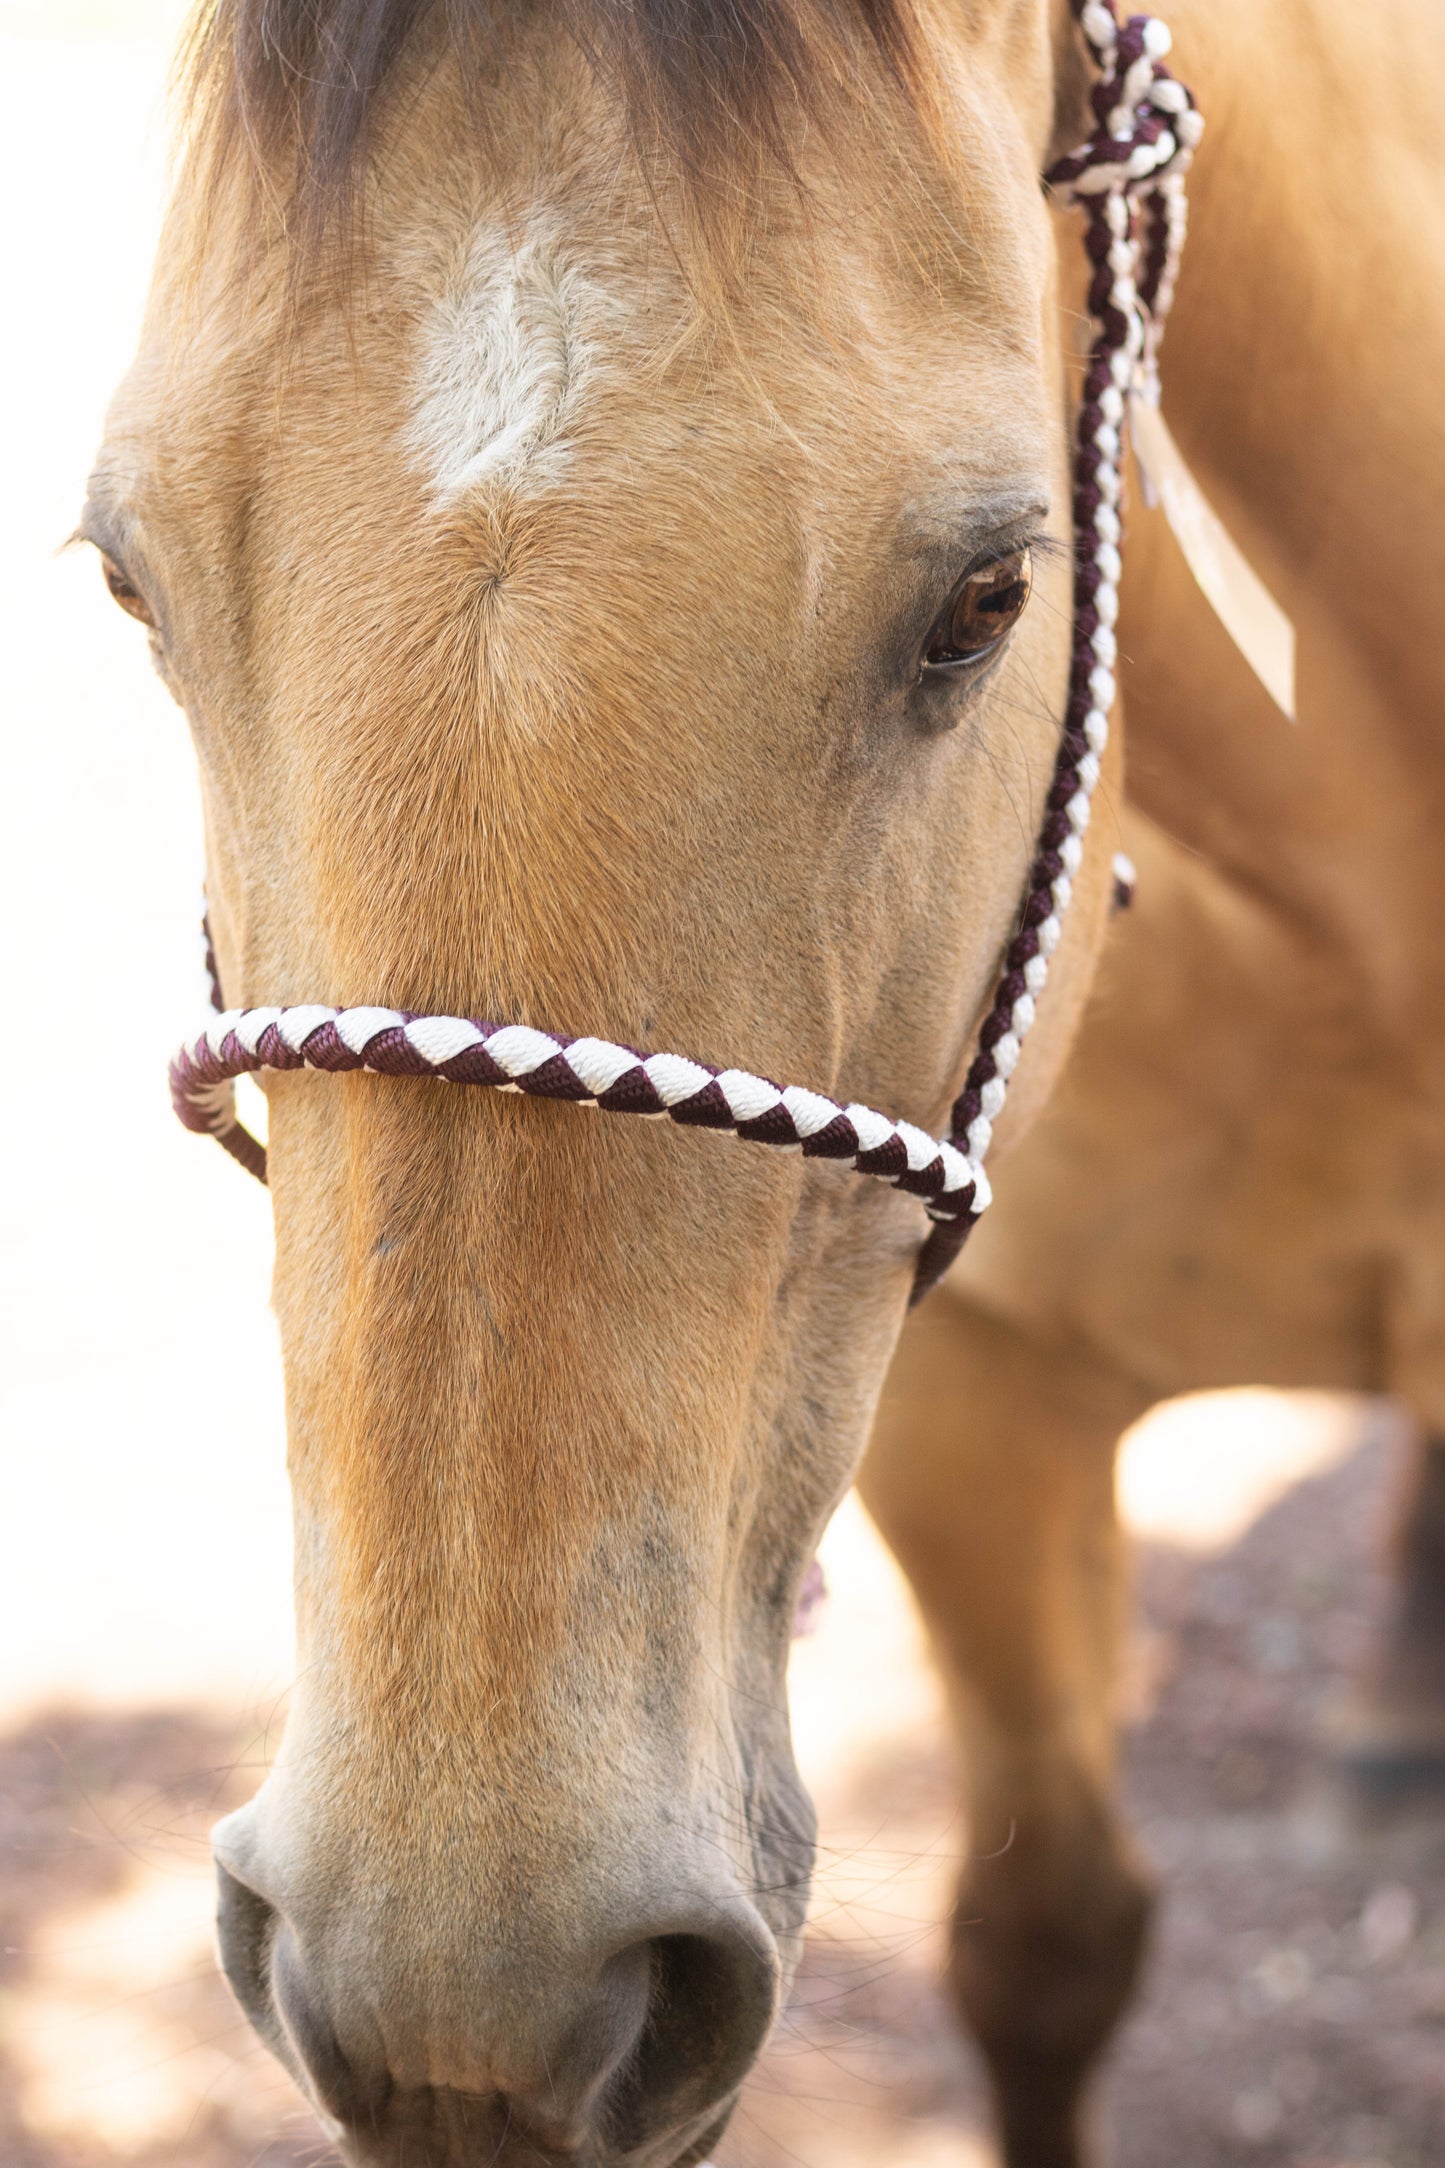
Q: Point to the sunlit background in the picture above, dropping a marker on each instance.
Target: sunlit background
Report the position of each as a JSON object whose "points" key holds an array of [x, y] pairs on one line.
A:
{"points": [[1295, 2013]]}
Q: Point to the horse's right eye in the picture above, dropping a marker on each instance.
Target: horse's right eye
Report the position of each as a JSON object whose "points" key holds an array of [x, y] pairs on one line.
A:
{"points": [[125, 592], [982, 610]]}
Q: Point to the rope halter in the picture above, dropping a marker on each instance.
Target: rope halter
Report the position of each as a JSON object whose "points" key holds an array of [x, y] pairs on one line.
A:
{"points": [[1128, 180]]}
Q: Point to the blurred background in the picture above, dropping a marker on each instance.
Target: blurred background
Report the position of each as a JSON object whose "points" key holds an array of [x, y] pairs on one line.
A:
{"points": [[1294, 2014]]}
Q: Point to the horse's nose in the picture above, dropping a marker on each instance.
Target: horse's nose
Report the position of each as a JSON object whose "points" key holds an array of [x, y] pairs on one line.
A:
{"points": [[648, 2043]]}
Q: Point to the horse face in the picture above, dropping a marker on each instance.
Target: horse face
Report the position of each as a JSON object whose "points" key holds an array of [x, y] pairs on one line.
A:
{"points": [[557, 649]]}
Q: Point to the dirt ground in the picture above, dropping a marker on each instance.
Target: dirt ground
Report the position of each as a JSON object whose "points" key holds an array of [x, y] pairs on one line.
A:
{"points": [[1294, 2014]]}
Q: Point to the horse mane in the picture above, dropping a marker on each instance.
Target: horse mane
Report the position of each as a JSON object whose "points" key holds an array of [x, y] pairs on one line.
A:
{"points": [[709, 87]]}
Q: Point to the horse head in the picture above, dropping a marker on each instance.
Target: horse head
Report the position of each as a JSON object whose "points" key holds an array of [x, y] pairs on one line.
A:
{"points": [[568, 471]]}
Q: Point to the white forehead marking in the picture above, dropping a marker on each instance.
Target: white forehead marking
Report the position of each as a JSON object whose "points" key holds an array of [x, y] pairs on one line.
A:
{"points": [[504, 358]]}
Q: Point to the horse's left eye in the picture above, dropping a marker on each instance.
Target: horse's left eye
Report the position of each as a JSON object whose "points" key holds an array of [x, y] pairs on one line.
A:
{"points": [[981, 610], [123, 591]]}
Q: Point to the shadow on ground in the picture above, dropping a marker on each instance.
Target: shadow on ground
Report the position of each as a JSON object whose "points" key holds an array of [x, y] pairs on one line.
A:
{"points": [[1295, 2010], [118, 2040]]}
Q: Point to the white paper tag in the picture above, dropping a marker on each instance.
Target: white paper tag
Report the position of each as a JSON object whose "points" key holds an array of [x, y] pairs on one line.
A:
{"points": [[1244, 605]]}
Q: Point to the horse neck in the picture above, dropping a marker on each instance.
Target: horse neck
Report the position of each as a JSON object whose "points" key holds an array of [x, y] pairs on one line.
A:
{"points": [[1301, 374]]}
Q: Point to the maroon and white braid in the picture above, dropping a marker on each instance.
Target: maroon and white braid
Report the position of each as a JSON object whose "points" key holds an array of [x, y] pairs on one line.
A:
{"points": [[1128, 180], [590, 1072]]}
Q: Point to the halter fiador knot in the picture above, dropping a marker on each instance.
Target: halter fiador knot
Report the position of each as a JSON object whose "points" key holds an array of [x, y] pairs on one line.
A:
{"points": [[1128, 179]]}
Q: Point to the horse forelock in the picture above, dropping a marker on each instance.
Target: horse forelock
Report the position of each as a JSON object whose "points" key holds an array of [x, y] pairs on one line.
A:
{"points": [[717, 94]]}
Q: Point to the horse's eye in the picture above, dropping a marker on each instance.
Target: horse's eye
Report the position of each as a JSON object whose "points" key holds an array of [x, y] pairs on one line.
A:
{"points": [[981, 609], [130, 598]]}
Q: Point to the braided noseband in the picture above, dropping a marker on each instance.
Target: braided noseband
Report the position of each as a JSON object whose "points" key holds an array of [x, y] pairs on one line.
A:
{"points": [[1129, 181]]}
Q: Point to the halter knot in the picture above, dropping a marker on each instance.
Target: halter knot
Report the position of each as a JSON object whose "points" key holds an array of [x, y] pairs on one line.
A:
{"points": [[1148, 124]]}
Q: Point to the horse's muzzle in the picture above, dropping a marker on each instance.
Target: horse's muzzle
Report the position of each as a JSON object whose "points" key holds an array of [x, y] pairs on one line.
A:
{"points": [[634, 2058]]}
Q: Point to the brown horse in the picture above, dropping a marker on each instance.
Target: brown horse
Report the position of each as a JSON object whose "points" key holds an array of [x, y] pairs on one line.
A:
{"points": [[557, 435]]}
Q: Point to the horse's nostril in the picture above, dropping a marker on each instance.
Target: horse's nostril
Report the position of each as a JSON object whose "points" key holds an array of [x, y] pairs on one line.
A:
{"points": [[260, 1959], [245, 1926], [711, 2004]]}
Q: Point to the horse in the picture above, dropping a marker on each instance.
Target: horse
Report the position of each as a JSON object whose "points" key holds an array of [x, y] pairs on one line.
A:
{"points": [[563, 444]]}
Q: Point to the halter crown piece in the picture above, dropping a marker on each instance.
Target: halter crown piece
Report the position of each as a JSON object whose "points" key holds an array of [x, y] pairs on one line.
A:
{"points": [[1128, 180]]}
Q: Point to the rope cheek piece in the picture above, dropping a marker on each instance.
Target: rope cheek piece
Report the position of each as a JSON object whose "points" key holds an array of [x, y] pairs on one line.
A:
{"points": [[1128, 180]]}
